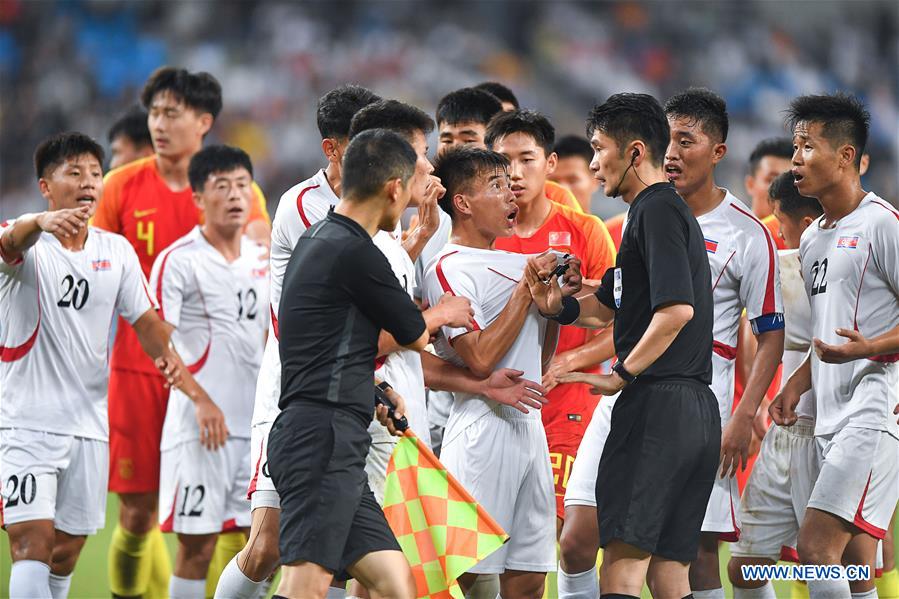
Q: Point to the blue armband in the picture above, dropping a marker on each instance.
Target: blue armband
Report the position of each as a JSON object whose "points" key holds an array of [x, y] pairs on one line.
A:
{"points": [[767, 322]]}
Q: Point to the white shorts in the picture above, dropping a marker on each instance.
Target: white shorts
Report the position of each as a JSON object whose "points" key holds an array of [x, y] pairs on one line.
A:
{"points": [[261, 490], [203, 491], [858, 478], [581, 488], [376, 466], [777, 492], [721, 513], [440, 403], [45, 476], [502, 459]]}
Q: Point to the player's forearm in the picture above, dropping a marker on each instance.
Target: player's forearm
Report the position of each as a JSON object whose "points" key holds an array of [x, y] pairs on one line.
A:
{"points": [[550, 342], [665, 325], [594, 314], [801, 380], [767, 358], [596, 350], [416, 241], [441, 375], [23, 234], [887, 343], [494, 342]]}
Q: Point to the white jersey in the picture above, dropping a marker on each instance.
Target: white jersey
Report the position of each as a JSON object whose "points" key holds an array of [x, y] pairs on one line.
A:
{"points": [[798, 321], [219, 313], [743, 260], [299, 208], [851, 275], [56, 309], [487, 278], [402, 368]]}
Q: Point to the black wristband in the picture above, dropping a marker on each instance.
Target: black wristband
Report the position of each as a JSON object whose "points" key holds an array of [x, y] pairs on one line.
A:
{"points": [[384, 386], [621, 371], [571, 309]]}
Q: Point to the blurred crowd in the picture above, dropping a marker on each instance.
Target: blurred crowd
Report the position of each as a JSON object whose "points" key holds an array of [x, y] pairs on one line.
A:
{"points": [[78, 64]]}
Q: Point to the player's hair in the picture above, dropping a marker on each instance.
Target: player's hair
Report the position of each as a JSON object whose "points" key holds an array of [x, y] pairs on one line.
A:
{"points": [[458, 168], [468, 105], [574, 145], [529, 122], [199, 91], [373, 158], [702, 106], [627, 117], [781, 147], [844, 117], [216, 159], [783, 190], [133, 126], [336, 109], [500, 91], [393, 115], [56, 149]]}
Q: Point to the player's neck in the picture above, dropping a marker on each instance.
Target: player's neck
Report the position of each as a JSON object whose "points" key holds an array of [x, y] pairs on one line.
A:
{"points": [[531, 215], [466, 233], [173, 171], [640, 180], [227, 242], [332, 174], [367, 214], [841, 199], [705, 198], [73, 244]]}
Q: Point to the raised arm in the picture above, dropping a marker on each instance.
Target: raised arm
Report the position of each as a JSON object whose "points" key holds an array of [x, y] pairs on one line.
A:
{"points": [[27, 229]]}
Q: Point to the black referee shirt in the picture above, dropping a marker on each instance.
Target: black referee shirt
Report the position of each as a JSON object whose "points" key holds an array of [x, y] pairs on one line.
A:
{"points": [[662, 261], [339, 292]]}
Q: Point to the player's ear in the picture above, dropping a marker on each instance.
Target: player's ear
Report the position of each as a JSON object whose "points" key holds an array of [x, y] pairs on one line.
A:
{"points": [[847, 156], [45, 188], [331, 150], [551, 162], [749, 184], [461, 205], [206, 120], [718, 152], [198, 200], [805, 222]]}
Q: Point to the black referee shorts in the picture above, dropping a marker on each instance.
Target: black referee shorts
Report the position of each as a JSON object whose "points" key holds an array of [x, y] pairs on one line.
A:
{"points": [[329, 516], [658, 467]]}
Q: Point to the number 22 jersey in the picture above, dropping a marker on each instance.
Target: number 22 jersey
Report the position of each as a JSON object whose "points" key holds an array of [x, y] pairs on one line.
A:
{"points": [[851, 275], [56, 308]]}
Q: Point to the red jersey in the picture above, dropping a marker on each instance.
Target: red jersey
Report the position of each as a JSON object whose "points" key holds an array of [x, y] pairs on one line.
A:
{"points": [[773, 225], [615, 225], [561, 195], [138, 204]]}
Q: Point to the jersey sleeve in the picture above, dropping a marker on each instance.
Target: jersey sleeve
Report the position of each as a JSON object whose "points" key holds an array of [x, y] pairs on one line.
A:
{"points": [[106, 216], [258, 209], [885, 248], [169, 279], [133, 299], [371, 283], [446, 277], [760, 281], [8, 264], [662, 237]]}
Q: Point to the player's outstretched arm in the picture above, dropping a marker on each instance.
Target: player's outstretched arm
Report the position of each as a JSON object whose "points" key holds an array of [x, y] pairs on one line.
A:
{"points": [[155, 338], [27, 229], [857, 347], [588, 312], [450, 311]]}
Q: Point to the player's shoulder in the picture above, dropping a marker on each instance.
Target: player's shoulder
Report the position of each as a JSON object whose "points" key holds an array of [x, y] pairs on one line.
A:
{"points": [[561, 195], [117, 177], [878, 212], [743, 222], [309, 201], [183, 249]]}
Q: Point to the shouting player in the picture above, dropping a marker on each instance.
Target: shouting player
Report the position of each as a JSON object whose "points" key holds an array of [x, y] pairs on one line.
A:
{"points": [[150, 202], [61, 282], [850, 267], [212, 289], [744, 267]]}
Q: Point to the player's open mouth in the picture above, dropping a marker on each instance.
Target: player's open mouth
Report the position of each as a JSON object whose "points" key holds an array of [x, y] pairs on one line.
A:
{"points": [[235, 210], [673, 172], [87, 199], [517, 190], [511, 216], [797, 176]]}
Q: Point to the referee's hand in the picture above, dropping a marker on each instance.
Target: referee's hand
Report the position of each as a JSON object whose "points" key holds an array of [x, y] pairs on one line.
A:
{"points": [[383, 415]]}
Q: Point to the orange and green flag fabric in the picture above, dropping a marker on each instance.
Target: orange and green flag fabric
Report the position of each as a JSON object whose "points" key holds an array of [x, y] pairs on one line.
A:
{"points": [[442, 530]]}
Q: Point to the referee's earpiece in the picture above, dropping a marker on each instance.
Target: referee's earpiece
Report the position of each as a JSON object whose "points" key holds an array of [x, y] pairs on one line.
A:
{"points": [[635, 155]]}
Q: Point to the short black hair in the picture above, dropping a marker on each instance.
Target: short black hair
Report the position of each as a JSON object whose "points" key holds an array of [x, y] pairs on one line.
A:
{"points": [[200, 91], [792, 203], [529, 122], [394, 115], [374, 157], [58, 148], [574, 145], [844, 117], [626, 117], [468, 105], [780, 147], [460, 165], [500, 91], [702, 106], [216, 159], [133, 126], [336, 109]]}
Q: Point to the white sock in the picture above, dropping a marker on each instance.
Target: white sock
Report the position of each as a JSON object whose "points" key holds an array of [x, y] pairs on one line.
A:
{"points": [[29, 579], [709, 594], [763, 592], [872, 594], [828, 589], [486, 586], [184, 588], [264, 587], [234, 584], [59, 586], [336, 593], [583, 585]]}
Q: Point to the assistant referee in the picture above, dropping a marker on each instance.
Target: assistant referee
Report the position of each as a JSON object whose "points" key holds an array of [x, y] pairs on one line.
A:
{"points": [[659, 461], [339, 293]]}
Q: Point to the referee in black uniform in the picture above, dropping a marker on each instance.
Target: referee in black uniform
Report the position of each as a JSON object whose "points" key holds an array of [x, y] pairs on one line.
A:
{"points": [[659, 461], [339, 292]]}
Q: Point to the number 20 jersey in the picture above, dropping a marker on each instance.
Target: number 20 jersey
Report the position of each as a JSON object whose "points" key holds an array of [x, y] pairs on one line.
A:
{"points": [[851, 275], [56, 308]]}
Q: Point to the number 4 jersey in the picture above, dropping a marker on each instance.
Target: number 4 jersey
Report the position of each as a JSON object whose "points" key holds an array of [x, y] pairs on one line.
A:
{"points": [[220, 314], [56, 308], [851, 275]]}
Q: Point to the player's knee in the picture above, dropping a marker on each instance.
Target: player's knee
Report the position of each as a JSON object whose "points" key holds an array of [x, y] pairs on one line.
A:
{"points": [[137, 512], [261, 557], [30, 544], [578, 550], [814, 550], [65, 555], [400, 584]]}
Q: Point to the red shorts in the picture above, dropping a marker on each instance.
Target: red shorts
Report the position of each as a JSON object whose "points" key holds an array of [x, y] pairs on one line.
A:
{"points": [[137, 404], [565, 419]]}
